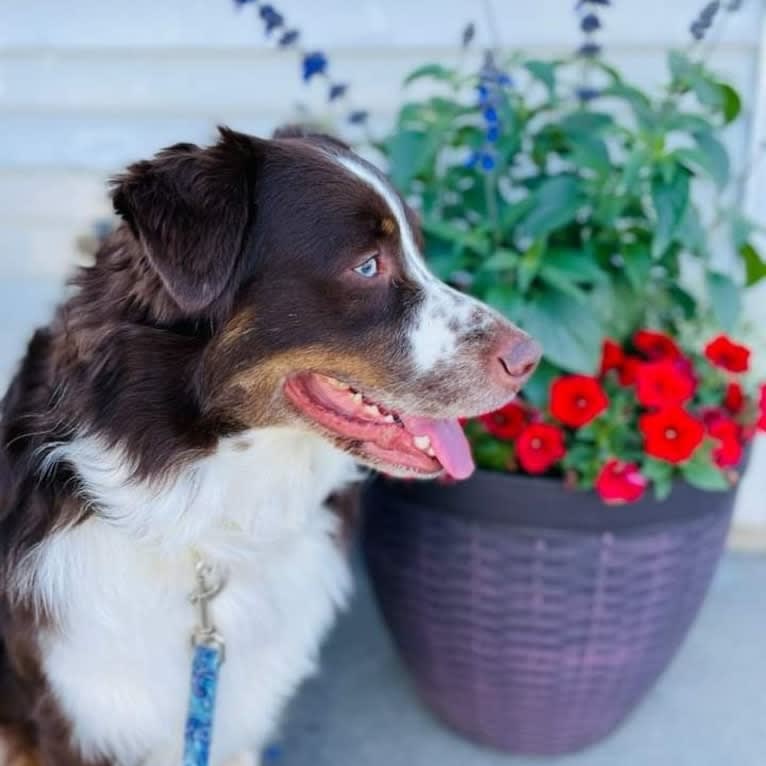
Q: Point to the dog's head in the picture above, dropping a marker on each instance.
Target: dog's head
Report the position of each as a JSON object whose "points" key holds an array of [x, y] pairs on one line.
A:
{"points": [[307, 265]]}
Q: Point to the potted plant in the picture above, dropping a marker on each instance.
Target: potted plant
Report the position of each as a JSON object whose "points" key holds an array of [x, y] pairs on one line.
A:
{"points": [[536, 603]]}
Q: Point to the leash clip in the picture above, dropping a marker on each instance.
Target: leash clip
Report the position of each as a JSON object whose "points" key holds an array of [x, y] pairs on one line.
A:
{"points": [[210, 582]]}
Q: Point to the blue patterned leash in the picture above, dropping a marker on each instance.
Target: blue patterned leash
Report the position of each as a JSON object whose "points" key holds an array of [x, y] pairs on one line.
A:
{"points": [[209, 654]]}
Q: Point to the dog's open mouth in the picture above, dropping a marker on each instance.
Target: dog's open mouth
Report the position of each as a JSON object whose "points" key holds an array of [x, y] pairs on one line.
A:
{"points": [[394, 441]]}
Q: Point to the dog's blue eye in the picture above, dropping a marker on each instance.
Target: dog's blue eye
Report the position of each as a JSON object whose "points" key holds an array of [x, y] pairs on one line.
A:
{"points": [[369, 268]]}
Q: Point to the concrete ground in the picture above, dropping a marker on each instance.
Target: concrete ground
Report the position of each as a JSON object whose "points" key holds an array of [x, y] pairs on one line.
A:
{"points": [[708, 710]]}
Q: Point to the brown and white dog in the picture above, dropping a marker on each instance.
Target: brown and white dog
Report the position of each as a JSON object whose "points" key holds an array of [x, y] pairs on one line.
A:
{"points": [[261, 322]]}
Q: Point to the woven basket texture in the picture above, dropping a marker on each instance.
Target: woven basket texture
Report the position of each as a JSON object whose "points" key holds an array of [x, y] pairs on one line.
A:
{"points": [[535, 640]]}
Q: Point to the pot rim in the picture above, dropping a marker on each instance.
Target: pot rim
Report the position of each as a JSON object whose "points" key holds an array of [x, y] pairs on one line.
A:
{"points": [[545, 503]]}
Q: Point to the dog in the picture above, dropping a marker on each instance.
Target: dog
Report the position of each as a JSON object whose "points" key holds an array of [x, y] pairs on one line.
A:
{"points": [[260, 324]]}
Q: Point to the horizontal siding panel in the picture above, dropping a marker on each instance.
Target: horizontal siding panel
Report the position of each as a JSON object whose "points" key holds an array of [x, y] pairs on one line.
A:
{"points": [[247, 83], [215, 23], [34, 249], [53, 196]]}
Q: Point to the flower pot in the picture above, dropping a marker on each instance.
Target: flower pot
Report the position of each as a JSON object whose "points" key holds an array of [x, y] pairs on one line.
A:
{"points": [[534, 619]]}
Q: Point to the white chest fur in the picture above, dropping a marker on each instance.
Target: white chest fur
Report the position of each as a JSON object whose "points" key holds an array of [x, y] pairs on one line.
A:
{"points": [[119, 583]]}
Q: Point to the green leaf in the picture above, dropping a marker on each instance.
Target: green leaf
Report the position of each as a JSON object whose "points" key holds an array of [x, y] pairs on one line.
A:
{"points": [[669, 198], [755, 266], [529, 264], [587, 122], [638, 264], [717, 157], [732, 103], [555, 202], [590, 151], [691, 233], [660, 474], [506, 299], [571, 334], [577, 265], [537, 389], [406, 153], [725, 299], [500, 260], [544, 72], [701, 471], [430, 71], [492, 454]]}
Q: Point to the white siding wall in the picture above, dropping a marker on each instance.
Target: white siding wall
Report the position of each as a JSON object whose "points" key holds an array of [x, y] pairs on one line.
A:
{"points": [[89, 85]]}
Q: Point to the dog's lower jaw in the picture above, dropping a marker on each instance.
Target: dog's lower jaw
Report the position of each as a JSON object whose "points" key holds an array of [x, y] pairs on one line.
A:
{"points": [[118, 659]]}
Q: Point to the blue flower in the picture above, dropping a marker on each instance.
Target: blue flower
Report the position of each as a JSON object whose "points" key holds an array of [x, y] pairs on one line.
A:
{"points": [[337, 90], [490, 114], [240, 3], [493, 133], [314, 63], [586, 94], [358, 117], [487, 161], [272, 754], [473, 159], [468, 34], [288, 38], [272, 19], [590, 23], [589, 50]]}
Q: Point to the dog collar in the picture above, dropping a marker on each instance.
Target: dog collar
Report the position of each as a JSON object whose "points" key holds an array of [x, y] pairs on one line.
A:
{"points": [[209, 652]]}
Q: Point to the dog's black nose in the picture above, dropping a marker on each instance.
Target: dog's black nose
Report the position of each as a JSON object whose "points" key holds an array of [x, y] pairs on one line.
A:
{"points": [[520, 358]]}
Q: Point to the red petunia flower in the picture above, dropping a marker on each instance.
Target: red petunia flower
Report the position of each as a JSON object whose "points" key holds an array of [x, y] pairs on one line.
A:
{"points": [[619, 482], [761, 425], [540, 447], [728, 453], [577, 399], [507, 422], [612, 357], [661, 384], [729, 356], [629, 370], [656, 345], [734, 398], [671, 434]]}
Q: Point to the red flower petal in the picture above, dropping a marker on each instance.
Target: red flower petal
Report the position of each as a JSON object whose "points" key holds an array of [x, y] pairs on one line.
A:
{"points": [[665, 383], [507, 422], [540, 447], [734, 398], [724, 353], [619, 482], [629, 370], [671, 434], [728, 453], [612, 357], [577, 399], [656, 345]]}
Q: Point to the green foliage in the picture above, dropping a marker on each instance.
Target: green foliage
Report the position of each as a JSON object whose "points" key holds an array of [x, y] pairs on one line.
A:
{"points": [[580, 228]]}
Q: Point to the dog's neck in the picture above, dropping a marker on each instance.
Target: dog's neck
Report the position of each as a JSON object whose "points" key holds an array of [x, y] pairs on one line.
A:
{"points": [[254, 489]]}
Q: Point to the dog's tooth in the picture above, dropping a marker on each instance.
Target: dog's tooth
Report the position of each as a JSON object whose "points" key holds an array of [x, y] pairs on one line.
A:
{"points": [[430, 452], [372, 409], [356, 397], [422, 442], [388, 419]]}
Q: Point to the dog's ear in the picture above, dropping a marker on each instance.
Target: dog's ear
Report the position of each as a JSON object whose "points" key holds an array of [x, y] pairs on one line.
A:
{"points": [[191, 209]]}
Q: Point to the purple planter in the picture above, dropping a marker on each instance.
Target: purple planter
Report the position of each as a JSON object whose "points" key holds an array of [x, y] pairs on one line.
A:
{"points": [[533, 619]]}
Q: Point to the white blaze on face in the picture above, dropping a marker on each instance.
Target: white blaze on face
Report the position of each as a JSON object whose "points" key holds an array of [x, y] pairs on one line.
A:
{"points": [[445, 315]]}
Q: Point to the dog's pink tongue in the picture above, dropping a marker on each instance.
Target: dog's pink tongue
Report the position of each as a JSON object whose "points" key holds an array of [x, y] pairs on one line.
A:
{"points": [[448, 442]]}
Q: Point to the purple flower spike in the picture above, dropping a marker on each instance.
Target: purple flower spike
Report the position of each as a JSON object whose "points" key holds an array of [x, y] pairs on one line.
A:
{"points": [[272, 19], [289, 38], [487, 161], [313, 64], [590, 23], [359, 117], [586, 94], [337, 90], [589, 50]]}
